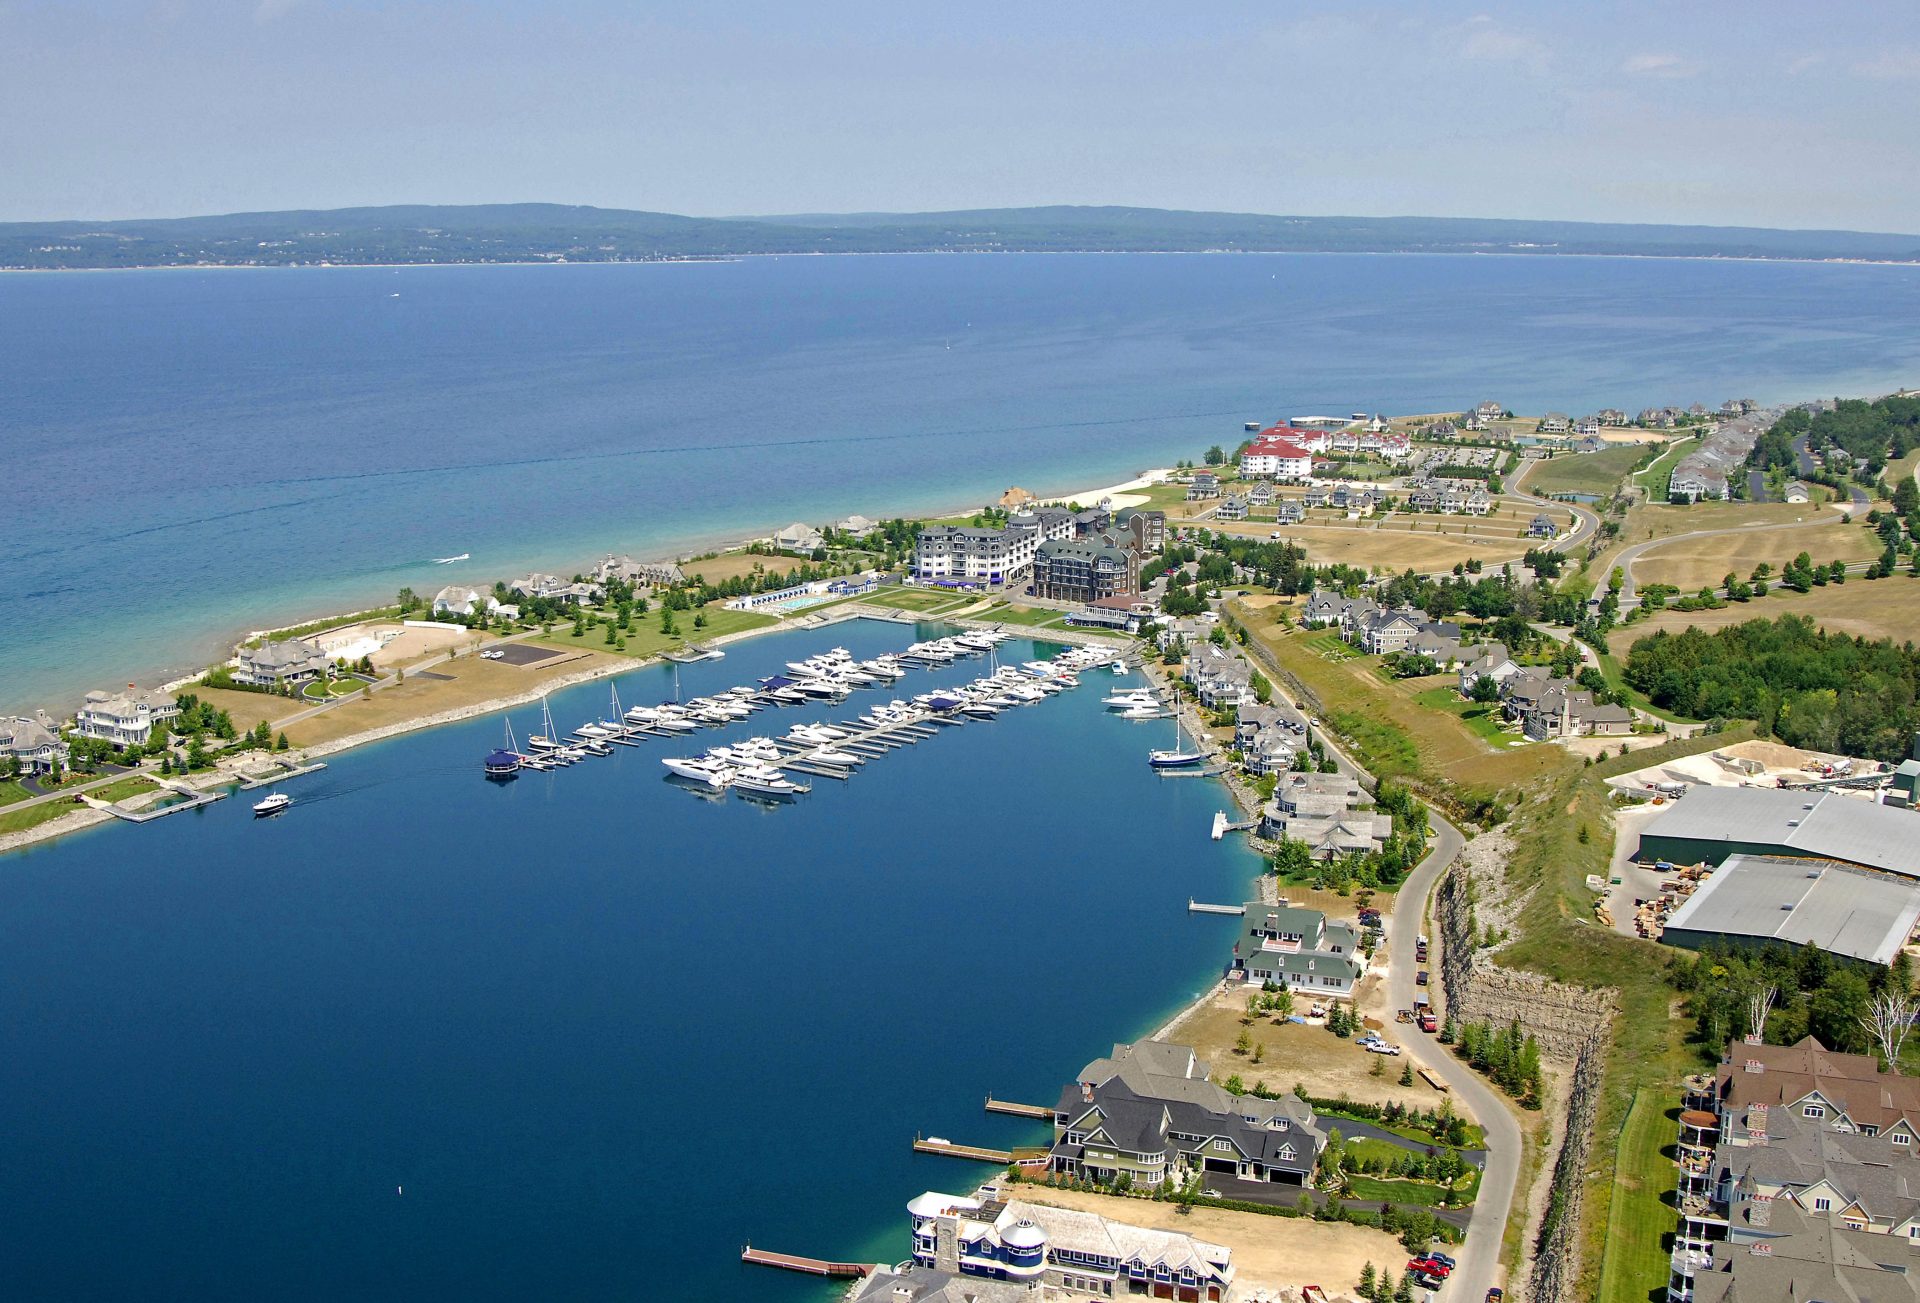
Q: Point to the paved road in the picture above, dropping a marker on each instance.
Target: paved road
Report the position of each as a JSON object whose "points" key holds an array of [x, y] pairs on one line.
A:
{"points": [[1585, 522], [1479, 1256], [1756, 486]]}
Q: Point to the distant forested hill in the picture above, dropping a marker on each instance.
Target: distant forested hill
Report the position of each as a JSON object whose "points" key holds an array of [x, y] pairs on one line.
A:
{"points": [[556, 232]]}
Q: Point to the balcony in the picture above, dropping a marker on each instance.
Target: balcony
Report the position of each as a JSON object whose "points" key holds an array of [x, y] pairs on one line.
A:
{"points": [[1689, 1262]]}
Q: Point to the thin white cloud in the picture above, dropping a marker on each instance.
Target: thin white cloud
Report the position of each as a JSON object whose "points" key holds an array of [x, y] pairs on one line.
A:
{"points": [[1894, 65], [1657, 65], [1804, 62], [268, 10], [1486, 41]]}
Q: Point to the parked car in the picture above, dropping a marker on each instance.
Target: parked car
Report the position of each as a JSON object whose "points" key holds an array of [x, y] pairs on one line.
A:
{"points": [[1420, 978], [1496, 1294], [1431, 1266], [1443, 1260]]}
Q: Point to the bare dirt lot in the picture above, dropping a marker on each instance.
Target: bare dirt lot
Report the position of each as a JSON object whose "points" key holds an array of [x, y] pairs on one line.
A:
{"points": [[247, 708], [468, 681], [1268, 1252], [1291, 1054]]}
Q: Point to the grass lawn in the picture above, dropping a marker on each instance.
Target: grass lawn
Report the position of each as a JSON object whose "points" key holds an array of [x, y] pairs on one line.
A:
{"points": [[1395, 734], [645, 639], [1653, 479], [34, 815], [1482, 717], [918, 599], [1635, 1264], [121, 788], [1900, 468], [317, 690], [1032, 616], [11, 791], [1585, 472]]}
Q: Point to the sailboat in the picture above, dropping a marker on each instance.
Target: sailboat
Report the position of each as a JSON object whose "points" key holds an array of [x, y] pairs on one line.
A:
{"points": [[1179, 756]]}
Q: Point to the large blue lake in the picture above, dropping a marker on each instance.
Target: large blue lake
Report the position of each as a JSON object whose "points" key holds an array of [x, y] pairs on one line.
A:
{"points": [[602, 1031], [193, 453]]}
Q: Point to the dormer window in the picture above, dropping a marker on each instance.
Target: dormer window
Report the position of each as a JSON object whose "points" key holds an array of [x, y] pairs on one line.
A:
{"points": [[1814, 1111]]}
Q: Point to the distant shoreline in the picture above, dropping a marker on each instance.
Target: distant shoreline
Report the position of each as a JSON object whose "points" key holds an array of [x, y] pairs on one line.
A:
{"points": [[706, 259]]}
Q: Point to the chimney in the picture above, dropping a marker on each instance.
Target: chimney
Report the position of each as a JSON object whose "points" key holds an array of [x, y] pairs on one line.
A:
{"points": [[1086, 1092]]}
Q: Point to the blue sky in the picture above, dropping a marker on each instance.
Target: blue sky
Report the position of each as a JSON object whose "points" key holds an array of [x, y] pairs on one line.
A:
{"points": [[1758, 113]]}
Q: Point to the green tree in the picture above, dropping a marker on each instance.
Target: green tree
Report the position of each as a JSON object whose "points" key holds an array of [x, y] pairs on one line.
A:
{"points": [[1406, 1072]]}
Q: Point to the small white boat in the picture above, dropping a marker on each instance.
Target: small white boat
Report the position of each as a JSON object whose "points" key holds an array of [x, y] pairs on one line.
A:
{"points": [[449, 560], [828, 756], [273, 804]]}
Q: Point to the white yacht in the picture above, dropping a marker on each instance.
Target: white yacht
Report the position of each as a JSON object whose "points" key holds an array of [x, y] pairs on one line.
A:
{"points": [[273, 804], [701, 770]]}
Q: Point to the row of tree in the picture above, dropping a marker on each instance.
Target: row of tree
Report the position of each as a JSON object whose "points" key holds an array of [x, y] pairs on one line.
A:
{"points": [[1811, 688]]}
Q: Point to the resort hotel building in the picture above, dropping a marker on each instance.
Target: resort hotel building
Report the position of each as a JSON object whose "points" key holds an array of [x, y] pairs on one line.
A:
{"points": [[1058, 1250]]}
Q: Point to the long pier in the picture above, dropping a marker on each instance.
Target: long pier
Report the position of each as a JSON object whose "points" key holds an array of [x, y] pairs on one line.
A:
{"points": [[195, 799], [1201, 907], [286, 771], [1012, 1109], [809, 1266], [978, 1153]]}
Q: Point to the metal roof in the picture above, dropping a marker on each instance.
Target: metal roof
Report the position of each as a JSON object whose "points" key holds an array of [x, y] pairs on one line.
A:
{"points": [[1844, 911], [1822, 825]]}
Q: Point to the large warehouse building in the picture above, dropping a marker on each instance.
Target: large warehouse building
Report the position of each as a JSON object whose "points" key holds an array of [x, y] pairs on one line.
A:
{"points": [[1710, 823], [1757, 900]]}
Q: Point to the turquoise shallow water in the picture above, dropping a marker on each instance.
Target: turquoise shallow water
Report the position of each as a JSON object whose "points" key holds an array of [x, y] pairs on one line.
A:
{"points": [[601, 1030], [194, 453]]}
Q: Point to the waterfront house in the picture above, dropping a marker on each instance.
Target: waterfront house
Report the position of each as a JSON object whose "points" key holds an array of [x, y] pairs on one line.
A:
{"points": [[1015, 497], [858, 526], [1489, 411], [281, 664], [1250, 721], [1300, 949], [909, 1282], [1151, 1113], [1271, 753], [124, 719], [554, 588], [1056, 1253], [35, 744], [1084, 571], [457, 599], [1221, 681], [798, 537], [1205, 484], [1587, 427], [641, 574], [1555, 423]]}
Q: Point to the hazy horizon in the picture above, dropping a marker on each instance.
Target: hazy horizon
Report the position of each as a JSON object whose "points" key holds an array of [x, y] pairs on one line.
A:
{"points": [[1767, 115]]}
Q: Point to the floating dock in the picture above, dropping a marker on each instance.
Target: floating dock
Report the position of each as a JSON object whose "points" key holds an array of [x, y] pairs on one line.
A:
{"points": [[808, 1266], [1012, 1109], [1222, 825], [1202, 907]]}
